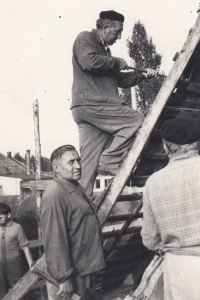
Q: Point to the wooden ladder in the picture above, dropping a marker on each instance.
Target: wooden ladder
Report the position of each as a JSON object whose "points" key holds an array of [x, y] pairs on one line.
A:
{"points": [[139, 156]]}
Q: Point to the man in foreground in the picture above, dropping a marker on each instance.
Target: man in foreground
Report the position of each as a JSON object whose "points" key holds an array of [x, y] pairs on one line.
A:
{"points": [[172, 210], [70, 229], [106, 123], [12, 240]]}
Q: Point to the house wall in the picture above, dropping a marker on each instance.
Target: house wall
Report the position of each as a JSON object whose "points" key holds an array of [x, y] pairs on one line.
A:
{"points": [[9, 186]]}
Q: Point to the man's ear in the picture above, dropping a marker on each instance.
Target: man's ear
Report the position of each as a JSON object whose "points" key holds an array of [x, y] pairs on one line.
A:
{"points": [[105, 28], [56, 167], [9, 215], [165, 148]]}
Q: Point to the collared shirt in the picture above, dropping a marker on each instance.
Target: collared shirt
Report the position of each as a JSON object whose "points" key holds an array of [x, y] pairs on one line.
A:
{"points": [[105, 46], [96, 73], [70, 231], [172, 207], [12, 239]]}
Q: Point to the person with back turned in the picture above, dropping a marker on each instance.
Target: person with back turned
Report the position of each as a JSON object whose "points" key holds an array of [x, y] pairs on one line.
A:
{"points": [[172, 210]]}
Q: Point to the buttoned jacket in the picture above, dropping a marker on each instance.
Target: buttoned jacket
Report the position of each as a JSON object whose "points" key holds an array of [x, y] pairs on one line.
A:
{"points": [[71, 232], [96, 73]]}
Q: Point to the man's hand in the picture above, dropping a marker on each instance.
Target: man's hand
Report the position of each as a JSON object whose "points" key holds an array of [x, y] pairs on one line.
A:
{"points": [[66, 289], [150, 73], [122, 64]]}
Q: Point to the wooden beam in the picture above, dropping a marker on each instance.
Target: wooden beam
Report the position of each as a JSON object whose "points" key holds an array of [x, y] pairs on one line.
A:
{"points": [[37, 161], [117, 218], [130, 197], [22, 287], [131, 230], [155, 156], [37, 185], [124, 228], [130, 162], [172, 109]]}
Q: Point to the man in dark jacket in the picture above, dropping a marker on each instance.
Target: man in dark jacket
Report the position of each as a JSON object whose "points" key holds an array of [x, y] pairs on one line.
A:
{"points": [[106, 123], [70, 229]]}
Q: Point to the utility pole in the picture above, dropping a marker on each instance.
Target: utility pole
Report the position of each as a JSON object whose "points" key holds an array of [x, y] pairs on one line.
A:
{"points": [[37, 160]]}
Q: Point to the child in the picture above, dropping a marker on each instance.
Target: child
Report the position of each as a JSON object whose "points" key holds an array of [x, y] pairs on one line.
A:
{"points": [[12, 239]]}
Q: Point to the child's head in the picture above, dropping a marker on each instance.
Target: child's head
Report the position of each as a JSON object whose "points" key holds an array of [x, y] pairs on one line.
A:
{"points": [[5, 213]]}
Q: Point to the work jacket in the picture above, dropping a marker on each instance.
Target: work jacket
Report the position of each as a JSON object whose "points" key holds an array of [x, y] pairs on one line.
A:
{"points": [[70, 231], [96, 73]]}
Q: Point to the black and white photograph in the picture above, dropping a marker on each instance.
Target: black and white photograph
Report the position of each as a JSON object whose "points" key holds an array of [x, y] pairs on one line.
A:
{"points": [[99, 152]]}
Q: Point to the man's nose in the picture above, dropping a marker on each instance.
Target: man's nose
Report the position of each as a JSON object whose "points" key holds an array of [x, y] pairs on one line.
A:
{"points": [[77, 164]]}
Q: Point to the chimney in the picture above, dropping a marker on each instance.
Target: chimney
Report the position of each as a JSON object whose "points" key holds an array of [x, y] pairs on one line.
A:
{"points": [[28, 162], [9, 154]]}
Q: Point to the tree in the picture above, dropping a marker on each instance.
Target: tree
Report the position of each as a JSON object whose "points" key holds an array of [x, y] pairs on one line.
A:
{"points": [[18, 157], [143, 51], [45, 164]]}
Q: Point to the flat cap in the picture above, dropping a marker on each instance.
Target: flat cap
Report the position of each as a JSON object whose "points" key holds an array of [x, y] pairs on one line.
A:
{"points": [[181, 131], [111, 15]]}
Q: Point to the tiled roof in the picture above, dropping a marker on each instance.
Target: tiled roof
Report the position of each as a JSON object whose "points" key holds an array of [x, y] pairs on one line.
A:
{"points": [[10, 166]]}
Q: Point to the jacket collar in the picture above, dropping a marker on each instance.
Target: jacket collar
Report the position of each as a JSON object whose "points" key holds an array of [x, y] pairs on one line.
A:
{"points": [[97, 36], [181, 156], [69, 185]]}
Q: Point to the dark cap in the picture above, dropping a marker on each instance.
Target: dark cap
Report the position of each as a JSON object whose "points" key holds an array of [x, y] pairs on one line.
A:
{"points": [[111, 15], [181, 131]]}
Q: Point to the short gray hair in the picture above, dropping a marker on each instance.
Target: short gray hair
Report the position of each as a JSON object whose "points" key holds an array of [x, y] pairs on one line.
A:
{"points": [[100, 23], [57, 153], [175, 148]]}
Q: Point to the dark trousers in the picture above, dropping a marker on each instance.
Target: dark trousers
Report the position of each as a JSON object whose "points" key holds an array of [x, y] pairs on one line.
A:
{"points": [[105, 134], [10, 272]]}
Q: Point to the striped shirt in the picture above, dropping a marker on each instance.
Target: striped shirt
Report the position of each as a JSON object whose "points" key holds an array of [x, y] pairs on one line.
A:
{"points": [[172, 207]]}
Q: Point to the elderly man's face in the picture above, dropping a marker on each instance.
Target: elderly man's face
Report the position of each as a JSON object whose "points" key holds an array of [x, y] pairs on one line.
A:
{"points": [[69, 166], [113, 33]]}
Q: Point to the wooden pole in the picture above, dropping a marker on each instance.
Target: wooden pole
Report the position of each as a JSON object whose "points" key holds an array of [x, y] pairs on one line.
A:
{"points": [[37, 169], [133, 89], [37, 139], [37, 160]]}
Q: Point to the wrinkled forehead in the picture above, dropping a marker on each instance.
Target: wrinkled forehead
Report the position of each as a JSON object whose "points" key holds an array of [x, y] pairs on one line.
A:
{"points": [[70, 155], [118, 25]]}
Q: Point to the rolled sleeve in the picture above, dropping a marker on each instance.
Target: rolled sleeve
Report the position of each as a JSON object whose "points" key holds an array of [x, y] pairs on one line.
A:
{"points": [[150, 234], [56, 242]]}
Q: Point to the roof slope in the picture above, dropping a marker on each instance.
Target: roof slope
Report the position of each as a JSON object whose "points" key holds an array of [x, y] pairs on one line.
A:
{"points": [[10, 166]]}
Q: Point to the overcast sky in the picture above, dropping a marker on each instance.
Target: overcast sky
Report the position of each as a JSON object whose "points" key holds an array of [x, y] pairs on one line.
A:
{"points": [[35, 59]]}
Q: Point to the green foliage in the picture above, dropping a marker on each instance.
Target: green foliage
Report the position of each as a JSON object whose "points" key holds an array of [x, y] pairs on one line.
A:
{"points": [[143, 51]]}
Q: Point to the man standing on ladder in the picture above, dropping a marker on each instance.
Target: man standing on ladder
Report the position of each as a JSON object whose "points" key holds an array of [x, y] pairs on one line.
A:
{"points": [[106, 124], [172, 210]]}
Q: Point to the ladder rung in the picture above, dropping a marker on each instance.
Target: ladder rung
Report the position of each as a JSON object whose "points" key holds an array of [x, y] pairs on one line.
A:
{"points": [[129, 197], [127, 256], [117, 218], [155, 156], [131, 230]]}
